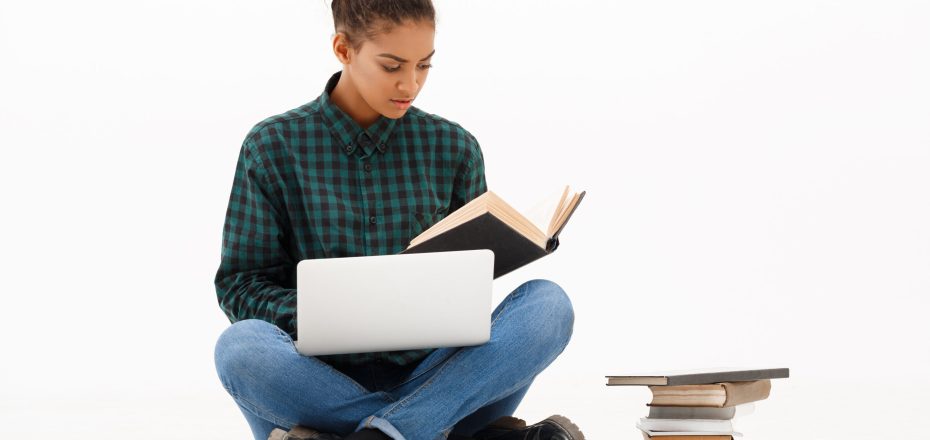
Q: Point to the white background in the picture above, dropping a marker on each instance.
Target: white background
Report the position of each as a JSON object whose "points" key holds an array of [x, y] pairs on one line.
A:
{"points": [[757, 177]]}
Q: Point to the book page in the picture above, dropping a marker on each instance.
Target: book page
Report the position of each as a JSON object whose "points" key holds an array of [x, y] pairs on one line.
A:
{"points": [[542, 213]]}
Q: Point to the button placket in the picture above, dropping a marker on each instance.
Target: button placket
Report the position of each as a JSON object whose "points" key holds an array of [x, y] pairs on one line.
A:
{"points": [[366, 176], [368, 190]]}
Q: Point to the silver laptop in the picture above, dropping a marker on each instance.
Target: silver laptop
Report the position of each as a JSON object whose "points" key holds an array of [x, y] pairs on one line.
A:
{"points": [[394, 302]]}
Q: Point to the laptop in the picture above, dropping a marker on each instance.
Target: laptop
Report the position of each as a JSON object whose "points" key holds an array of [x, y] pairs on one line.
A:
{"points": [[394, 302]]}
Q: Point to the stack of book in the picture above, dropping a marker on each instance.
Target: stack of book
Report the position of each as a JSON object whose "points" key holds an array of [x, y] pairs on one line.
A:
{"points": [[700, 405]]}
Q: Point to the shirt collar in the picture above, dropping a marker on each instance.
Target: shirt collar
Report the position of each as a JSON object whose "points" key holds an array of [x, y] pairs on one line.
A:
{"points": [[352, 136]]}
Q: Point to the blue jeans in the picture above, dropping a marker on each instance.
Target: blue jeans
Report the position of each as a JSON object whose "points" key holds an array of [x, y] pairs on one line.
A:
{"points": [[456, 390]]}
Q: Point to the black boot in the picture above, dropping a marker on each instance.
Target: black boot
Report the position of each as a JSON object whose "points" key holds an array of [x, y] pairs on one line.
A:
{"points": [[555, 427]]}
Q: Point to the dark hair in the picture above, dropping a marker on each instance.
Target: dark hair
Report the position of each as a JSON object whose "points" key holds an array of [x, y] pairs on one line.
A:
{"points": [[361, 20]]}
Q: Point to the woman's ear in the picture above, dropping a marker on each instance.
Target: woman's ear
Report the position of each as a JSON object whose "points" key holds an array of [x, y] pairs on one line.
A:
{"points": [[342, 48]]}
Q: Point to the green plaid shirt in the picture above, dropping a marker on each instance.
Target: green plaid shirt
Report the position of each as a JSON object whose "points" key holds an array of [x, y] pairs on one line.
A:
{"points": [[311, 183]]}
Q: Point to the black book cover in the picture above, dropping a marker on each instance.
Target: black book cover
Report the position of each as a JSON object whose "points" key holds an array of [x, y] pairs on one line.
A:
{"points": [[511, 249]]}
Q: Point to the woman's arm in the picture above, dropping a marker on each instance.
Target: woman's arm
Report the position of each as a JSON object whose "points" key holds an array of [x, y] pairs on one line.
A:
{"points": [[254, 262], [469, 180]]}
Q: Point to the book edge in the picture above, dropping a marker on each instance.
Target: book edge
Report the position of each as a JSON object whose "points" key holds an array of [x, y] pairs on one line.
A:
{"points": [[570, 214]]}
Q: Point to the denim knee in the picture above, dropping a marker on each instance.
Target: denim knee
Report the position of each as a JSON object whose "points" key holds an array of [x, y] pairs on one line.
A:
{"points": [[238, 351], [553, 306]]}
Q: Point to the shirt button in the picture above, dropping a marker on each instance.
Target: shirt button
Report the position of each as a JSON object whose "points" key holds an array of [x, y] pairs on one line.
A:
{"points": [[372, 220], [367, 167], [348, 148]]}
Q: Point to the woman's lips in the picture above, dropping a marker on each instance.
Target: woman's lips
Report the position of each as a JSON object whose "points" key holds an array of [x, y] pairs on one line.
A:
{"points": [[401, 104]]}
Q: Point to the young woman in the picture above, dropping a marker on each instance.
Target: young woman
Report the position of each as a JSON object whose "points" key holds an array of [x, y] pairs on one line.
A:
{"points": [[360, 171]]}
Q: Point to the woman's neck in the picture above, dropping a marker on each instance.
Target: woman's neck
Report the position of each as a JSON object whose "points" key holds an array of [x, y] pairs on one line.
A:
{"points": [[345, 95]]}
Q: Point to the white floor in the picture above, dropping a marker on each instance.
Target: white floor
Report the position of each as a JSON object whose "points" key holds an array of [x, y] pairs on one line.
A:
{"points": [[796, 410]]}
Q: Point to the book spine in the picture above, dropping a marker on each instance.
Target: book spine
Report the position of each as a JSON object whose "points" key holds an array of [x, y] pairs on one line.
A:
{"points": [[745, 392], [552, 244]]}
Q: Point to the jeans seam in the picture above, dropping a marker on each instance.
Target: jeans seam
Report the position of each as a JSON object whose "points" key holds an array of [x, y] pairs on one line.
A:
{"points": [[506, 306], [420, 374], [333, 369], [417, 392], [258, 411]]}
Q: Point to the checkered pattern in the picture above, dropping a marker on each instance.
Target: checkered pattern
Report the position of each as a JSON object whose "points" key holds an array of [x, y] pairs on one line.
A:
{"points": [[311, 183]]}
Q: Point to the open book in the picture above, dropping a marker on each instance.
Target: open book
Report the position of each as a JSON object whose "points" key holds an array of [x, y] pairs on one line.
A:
{"points": [[488, 222]]}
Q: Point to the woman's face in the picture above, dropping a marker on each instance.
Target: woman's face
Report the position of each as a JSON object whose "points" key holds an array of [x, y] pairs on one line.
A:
{"points": [[390, 69]]}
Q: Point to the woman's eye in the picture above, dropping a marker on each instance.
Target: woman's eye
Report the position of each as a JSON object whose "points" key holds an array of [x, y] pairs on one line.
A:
{"points": [[396, 68]]}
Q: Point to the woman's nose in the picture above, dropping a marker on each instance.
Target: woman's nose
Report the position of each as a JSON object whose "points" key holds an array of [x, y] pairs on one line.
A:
{"points": [[409, 84]]}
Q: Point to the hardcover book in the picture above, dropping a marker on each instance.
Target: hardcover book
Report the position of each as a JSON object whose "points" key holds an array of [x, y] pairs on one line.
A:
{"points": [[697, 426], [719, 395], [664, 436], [669, 435], [698, 377], [488, 222], [700, 412]]}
